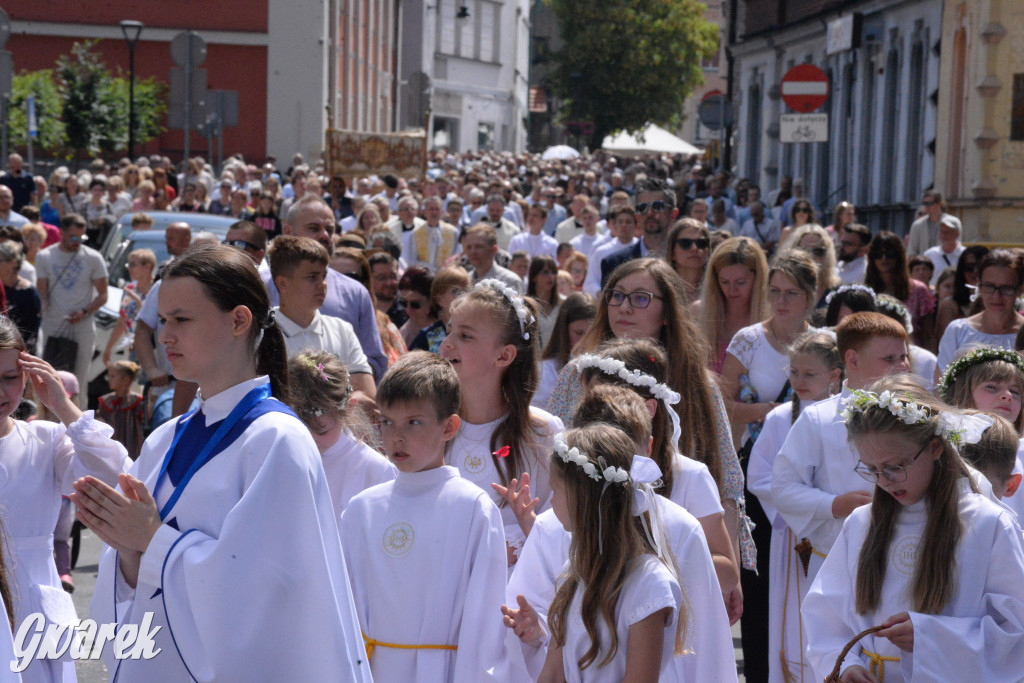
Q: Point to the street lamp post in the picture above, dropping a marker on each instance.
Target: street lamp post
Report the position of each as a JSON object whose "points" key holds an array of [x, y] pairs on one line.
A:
{"points": [[131, 30]]}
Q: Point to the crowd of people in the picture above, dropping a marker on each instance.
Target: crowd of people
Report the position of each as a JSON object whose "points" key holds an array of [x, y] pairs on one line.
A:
{"points": [[513, 420]]}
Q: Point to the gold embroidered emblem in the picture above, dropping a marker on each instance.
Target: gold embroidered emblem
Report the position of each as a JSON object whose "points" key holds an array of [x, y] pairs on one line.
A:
{"points": [[398, 539], [474, 464], [904, 555]]}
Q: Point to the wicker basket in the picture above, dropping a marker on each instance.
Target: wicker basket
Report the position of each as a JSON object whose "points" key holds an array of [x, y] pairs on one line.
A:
{"points": [[834, 676]]}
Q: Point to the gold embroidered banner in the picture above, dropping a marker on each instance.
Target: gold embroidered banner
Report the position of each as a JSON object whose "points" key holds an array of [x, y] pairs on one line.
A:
{"points": [[350, 153]]}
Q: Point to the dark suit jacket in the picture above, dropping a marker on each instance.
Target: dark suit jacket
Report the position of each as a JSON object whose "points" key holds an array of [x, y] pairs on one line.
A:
{"points": [[616, 259]]}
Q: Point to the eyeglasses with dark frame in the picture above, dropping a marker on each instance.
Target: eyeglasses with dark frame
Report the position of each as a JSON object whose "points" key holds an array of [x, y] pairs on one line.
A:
{"points": [[639, 299], [893, 473], [1008, 291], [657, 205], [413, 305]]}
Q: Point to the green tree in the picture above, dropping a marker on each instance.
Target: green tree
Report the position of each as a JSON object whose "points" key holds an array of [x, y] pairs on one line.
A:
{"points": [[42, 86], [627, 63], [95, 111]]}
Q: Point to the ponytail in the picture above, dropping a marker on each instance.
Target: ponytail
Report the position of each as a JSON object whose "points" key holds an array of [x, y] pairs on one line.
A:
{"points": [[272, 360]]}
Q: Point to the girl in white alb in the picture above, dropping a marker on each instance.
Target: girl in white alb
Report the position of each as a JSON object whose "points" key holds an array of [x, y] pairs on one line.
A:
{"points": [[937, 566], [709, 654], [235, 557], [39, 461], [814, 373], [617, 584], [502, 440], [320, 396]]}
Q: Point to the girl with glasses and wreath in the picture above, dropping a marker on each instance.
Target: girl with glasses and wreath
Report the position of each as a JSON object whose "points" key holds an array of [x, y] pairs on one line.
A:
{"points": [[939, 567], [1000, 281]]}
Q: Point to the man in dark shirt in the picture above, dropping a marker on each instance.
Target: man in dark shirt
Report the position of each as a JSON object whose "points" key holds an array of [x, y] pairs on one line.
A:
{"points": [[20, 182]]}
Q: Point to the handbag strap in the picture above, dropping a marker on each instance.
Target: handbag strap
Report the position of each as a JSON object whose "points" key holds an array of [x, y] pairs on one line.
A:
{"points": [[68, 265]]}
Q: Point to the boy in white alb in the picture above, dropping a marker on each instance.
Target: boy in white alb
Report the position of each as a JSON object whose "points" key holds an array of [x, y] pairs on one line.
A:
{"points": [[535, 242], [298, 266], [426, 552], [814, 486]]}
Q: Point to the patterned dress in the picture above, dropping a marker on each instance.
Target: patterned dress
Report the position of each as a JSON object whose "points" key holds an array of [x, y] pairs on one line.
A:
{"points": [[127, 416]]}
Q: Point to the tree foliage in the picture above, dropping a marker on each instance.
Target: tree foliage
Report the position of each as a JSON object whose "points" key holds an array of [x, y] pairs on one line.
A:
{"points": [[42, 86], [95, 104], [627, 63]]}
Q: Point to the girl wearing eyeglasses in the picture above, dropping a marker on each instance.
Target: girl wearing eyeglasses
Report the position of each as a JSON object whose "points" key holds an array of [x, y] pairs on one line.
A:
{"points": [[690, 244], [888, 273], [414, 297], [644, 299], [1000, 281], [937, 565]]}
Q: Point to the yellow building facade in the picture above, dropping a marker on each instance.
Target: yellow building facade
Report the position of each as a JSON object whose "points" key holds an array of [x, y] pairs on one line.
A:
{"points": [[979, 146]]}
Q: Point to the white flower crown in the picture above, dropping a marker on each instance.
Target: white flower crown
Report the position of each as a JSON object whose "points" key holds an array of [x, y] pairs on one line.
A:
{"points": [[522, 312], [616, 368], [848, 288], [956, 428], [896, 306], [613, 475]]}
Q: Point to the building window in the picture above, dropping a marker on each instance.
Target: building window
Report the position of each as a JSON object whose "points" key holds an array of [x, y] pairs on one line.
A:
{"points": [[445, 132], [915, 128], [890, 123], [484, 136], [1017, 113], [472, 37]]}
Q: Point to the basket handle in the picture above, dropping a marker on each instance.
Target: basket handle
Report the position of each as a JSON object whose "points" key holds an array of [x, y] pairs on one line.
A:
{"points": [[834, 676]]}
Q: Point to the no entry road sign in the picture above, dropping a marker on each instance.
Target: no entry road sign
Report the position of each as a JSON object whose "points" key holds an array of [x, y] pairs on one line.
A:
{"points": [[804, 88]]}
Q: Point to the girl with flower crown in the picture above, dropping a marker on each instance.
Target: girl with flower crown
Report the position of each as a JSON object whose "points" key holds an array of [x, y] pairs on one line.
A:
{"points": [[502, 440], [619, 614], [815, 373], [320, 396], [991, 380], [710, 654], [936, 565]]}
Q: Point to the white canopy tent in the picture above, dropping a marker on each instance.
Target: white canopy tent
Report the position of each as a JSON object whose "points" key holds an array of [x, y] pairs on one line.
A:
{"points": [[656, 140]]}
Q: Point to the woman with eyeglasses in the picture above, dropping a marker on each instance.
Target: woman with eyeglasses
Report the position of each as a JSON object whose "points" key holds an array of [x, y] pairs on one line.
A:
{"points": [[414, 297], [962, 302], [733, 296], [1000, 281], [754, 382], [644, 299], [888, 273], [815, 241], [689, 243]]}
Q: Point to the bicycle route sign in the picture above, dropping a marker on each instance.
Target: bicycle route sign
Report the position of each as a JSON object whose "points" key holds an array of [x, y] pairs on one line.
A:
{"points": [[803, 128]]}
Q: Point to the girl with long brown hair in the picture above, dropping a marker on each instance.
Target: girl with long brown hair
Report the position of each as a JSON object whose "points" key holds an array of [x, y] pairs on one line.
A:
{"points": [[888, 273], [938, 566], [502, 439]]}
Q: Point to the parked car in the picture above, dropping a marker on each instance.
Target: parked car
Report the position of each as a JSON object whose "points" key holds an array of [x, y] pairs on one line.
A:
{"points": [[120, 242]]}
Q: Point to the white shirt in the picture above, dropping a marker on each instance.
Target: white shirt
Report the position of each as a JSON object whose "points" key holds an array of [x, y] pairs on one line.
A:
{"points": [[852, 272], [942, 259], [979, 634], [534, 245], [585, 244], [352, 467], [960, 333], [252, 539], [326, 333], [426, 557], [763, 233]]}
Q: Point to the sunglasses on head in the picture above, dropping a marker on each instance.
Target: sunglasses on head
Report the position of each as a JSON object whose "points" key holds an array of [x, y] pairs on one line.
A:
{"points": [[686, 243]]}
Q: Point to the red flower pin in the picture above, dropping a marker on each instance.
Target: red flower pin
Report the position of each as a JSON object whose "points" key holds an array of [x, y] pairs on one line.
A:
{"points": [[502, 452]]}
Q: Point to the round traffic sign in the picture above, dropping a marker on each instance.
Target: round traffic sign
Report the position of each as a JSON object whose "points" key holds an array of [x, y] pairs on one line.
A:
{"points": [[188, 44], [715, 112], [805, 88]]}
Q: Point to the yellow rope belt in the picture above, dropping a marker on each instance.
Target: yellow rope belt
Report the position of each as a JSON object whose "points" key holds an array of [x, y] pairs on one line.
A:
{"points": [[371, 643], [878, 663]]}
